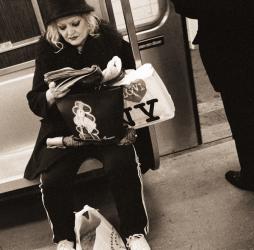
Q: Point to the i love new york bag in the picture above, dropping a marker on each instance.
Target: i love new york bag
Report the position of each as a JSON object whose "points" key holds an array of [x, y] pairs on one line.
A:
{"points": [[146, 98]]}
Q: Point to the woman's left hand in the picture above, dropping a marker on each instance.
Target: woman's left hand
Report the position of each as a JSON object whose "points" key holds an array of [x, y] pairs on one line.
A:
{"points": [[58, 92]]}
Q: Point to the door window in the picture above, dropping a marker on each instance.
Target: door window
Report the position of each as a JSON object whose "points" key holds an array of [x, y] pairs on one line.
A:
{"points": [[145, 13]]}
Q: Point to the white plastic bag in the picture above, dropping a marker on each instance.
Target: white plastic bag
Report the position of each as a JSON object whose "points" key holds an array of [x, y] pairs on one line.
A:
{"points": [[146, 99], [94, 232]]}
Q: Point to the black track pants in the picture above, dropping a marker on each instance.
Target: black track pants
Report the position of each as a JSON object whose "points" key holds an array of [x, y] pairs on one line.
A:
{"points": [[122, 169]]}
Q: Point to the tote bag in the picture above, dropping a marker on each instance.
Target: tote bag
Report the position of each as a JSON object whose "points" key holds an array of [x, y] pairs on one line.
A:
{"points": [[146, 99], [95, 117], [94, 232]]}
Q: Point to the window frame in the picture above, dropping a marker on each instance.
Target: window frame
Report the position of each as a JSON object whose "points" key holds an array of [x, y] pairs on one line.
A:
{"points": [[8, 46], [149, 25]]}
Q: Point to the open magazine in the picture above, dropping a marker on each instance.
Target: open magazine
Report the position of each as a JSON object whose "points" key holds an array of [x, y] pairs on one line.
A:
{"points": [[86, 77], [67, 76]]}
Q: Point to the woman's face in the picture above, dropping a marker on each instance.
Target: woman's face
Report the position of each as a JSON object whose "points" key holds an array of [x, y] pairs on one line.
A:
{"points": [[73, 29]]}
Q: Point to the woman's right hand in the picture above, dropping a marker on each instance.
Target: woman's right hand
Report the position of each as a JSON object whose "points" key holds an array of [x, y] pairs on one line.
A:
{"points": [[55, 92], [113, 69], [72, 142]]}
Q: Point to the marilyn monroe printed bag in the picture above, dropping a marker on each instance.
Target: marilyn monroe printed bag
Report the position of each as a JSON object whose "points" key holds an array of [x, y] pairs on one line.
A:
{"points": [[95, 117], [92, 110]]}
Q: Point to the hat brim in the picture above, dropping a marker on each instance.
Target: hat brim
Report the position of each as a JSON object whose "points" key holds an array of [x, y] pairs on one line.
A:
{"points": [[84, 10]]}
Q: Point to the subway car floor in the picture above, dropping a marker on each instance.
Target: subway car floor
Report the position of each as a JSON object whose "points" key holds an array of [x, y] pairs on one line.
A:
{"points": [[189, 203]]}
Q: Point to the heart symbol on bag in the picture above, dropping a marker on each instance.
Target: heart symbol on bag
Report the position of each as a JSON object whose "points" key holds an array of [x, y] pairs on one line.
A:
{"points": [[135, 91]]}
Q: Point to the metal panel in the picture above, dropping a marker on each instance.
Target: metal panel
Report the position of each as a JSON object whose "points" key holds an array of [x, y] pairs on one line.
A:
{"points": [[19, 126], [171, 61]]}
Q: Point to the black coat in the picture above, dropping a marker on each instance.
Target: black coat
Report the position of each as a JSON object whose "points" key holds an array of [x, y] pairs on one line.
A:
{"points": [[97, 50], [225, 37]]}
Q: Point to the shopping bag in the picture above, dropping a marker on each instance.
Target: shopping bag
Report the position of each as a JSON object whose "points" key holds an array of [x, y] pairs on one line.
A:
{"points": [[146, 99], [95, 117], [94, 232]]}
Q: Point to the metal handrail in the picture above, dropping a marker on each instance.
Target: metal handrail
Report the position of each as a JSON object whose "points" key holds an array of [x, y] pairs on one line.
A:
{"points": [[131, 31], [12, 46], [110, 11], [38, 15], [130, 26]]}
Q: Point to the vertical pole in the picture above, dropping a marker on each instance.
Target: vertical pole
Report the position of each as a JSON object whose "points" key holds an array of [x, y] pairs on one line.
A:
{"points": [[110, 11], [130, 26], [38, 15]]}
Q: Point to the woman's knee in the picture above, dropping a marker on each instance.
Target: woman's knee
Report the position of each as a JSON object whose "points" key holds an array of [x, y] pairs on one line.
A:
{"points": [[53, 182], [121, 160]]}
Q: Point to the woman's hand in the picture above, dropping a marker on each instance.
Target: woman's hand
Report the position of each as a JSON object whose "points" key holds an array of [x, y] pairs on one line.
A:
{"points": [[129, 138], [71, 141], [55, 92], [113, 69]]}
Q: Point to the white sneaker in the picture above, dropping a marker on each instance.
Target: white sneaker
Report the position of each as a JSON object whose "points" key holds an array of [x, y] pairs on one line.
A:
{"points": [[137, 242], [65, 245]]}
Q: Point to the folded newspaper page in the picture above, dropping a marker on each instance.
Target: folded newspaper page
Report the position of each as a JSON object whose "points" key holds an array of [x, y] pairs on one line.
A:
{"points": [[67, 76], [67, 72]]}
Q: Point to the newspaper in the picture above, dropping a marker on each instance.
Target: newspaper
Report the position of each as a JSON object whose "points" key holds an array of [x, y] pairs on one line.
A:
{"points": [[68, 76]]}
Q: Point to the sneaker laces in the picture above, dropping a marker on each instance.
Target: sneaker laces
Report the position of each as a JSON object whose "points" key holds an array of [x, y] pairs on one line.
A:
{"points": [[131, 239], [65, 245]]}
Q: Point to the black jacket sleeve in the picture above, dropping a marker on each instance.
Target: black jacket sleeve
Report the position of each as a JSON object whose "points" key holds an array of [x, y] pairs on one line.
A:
{"points": [[126, 56], [119, 46], [37, 96], [198, 8], [184, 8]]}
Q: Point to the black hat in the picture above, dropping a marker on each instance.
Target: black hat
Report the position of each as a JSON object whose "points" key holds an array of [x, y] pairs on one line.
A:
{"points": [[54, 9]]}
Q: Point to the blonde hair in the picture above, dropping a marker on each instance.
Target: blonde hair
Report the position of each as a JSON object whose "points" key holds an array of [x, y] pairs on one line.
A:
{"points": [[53, 36]]}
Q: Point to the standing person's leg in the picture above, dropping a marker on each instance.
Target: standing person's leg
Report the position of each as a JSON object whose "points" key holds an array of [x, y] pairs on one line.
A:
{"points": [[225, 67], [57, 196], [239, 108], [122, 168]]}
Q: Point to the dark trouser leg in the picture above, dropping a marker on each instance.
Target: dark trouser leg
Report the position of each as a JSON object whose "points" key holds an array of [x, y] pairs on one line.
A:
{"points": [[230, 74], [57, 196], [123, 171], [239, 108]]}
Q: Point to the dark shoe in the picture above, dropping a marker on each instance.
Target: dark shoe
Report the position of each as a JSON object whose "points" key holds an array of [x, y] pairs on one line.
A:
{"points": [[234, 177]]}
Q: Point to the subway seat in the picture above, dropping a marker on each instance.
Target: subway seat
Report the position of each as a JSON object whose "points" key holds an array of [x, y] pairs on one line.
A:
{"points": [[18, 131]]}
